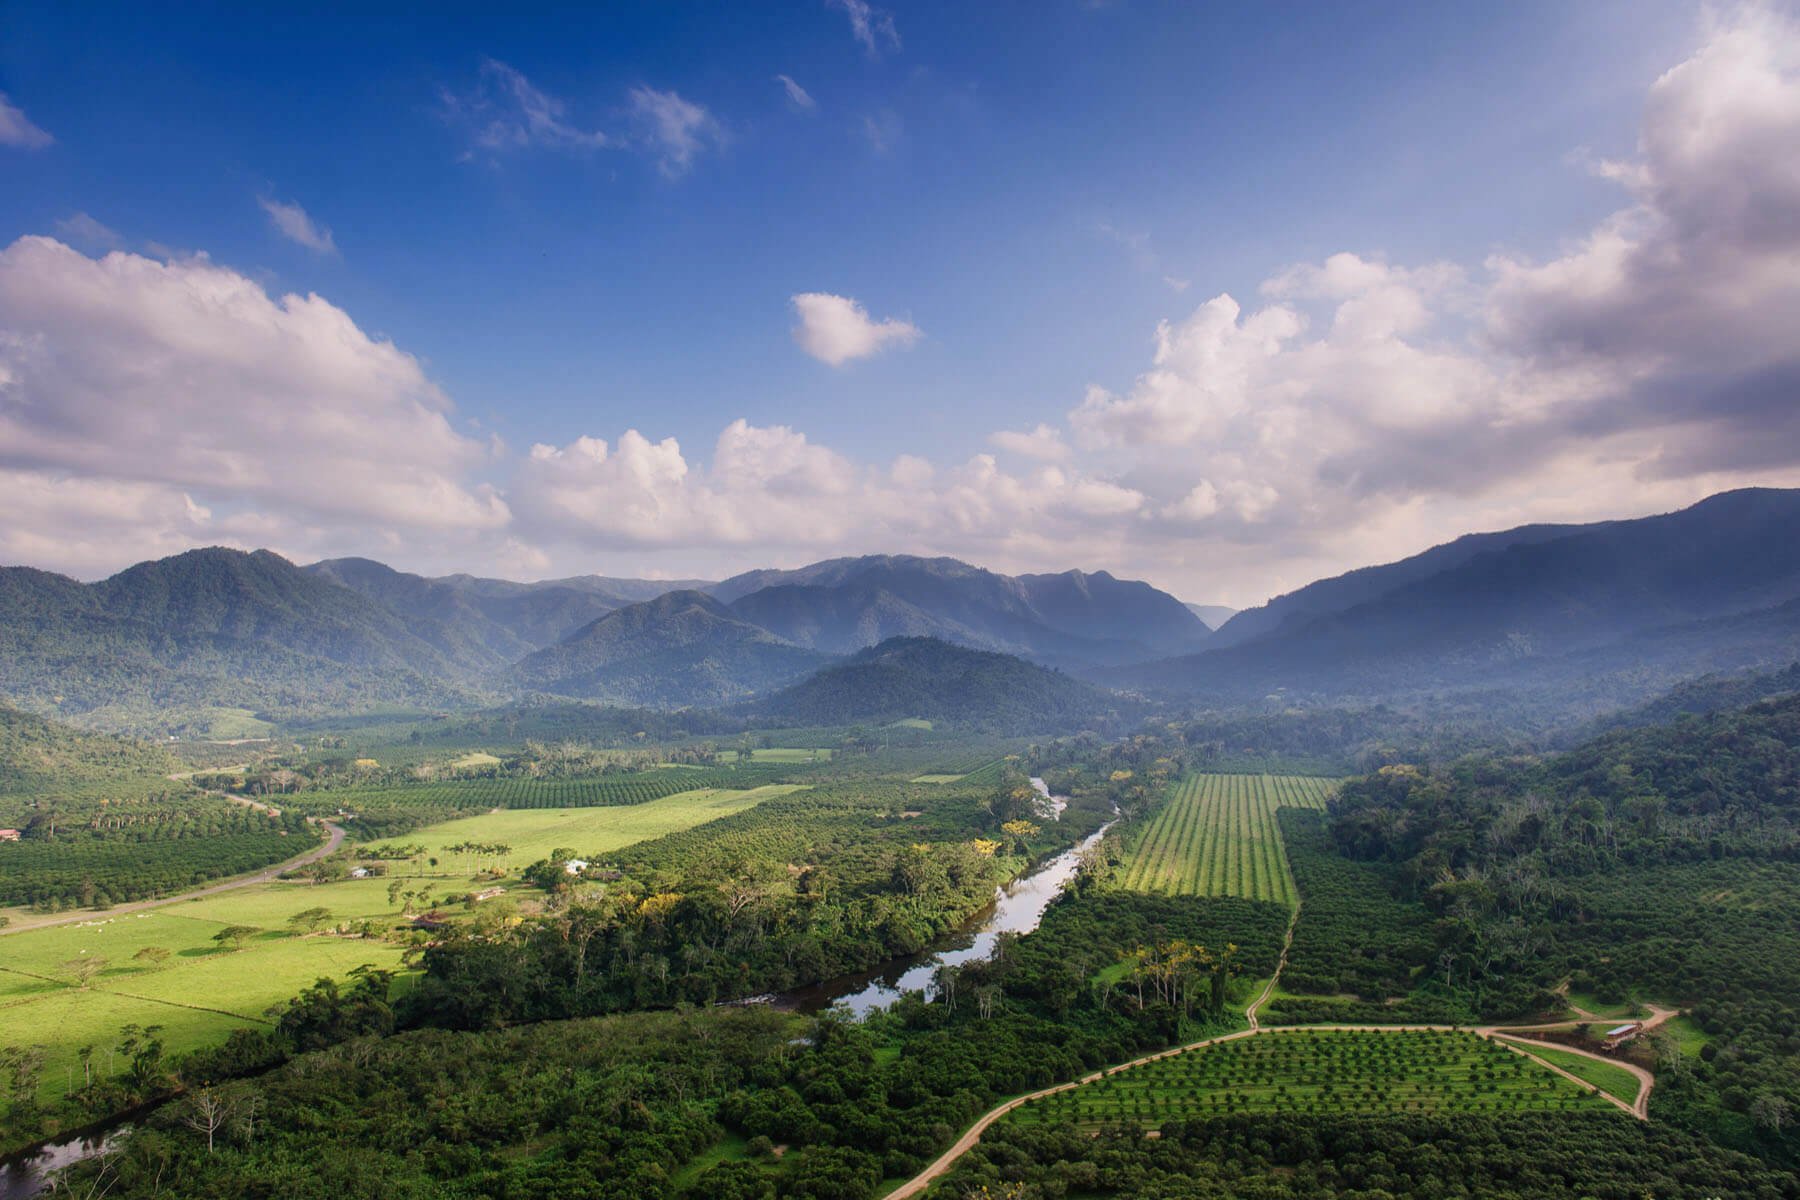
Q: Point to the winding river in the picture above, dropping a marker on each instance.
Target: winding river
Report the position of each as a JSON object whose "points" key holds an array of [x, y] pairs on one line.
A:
{"points": [[1018, 907]]}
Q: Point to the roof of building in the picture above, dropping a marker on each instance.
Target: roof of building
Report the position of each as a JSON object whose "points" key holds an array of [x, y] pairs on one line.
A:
{"points": [[1628, 1027]]}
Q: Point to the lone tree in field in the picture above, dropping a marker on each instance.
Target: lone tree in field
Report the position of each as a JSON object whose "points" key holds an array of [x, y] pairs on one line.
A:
{"points": [[154, 955], [85, 968], [234, 936], [309, 920]]}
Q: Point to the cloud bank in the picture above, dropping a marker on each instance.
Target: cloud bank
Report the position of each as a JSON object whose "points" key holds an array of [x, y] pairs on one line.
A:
{"points": [[1353, 409]]}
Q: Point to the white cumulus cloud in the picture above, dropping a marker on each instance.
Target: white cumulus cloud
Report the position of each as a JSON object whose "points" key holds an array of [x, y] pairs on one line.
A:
{"points": [[836, 329], [127, 381], [1044, 443]]}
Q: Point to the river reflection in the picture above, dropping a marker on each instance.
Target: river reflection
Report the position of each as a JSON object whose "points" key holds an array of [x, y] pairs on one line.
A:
{"points": [[1018, 907]]}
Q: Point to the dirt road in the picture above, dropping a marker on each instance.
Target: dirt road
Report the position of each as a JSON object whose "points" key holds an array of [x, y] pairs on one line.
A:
{"points": [[334, 837]]}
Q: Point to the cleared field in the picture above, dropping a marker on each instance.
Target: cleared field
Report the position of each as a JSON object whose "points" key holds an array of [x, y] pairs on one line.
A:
{"points": [[1615, 1081], [1216, 835], [533, 833], [934, 779], [463, 795], [790, 754], [1319, 1071], [199, 992]]}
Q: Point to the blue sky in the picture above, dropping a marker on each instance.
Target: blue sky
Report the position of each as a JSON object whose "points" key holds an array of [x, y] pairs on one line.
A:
{"points": [[1025, 191]]}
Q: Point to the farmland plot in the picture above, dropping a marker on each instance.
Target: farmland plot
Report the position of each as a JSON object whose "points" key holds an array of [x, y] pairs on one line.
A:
{"points": [[1216, 835], [1320, 1071]]}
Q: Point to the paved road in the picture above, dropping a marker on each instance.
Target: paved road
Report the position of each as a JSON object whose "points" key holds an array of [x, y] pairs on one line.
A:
{"points": [[334, 837]]}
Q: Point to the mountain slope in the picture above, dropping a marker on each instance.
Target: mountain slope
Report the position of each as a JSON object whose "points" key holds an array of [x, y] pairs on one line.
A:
{"points": [[1213, 616], [1346, 591], [493, 619], [1671, 590], [210, 627], [682, 648], [845, 604], [39, 756], [932, 679]]}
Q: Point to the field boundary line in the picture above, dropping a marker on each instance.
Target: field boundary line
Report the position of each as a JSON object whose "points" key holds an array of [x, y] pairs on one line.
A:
{"points": [[334, 839]]}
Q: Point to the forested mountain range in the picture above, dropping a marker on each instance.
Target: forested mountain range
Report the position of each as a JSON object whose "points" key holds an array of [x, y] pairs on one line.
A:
{"points": [[1631, 605], [929, 678], [1602, 617], [214, 628], [498, 619], [682, 648], [1075, 617]]}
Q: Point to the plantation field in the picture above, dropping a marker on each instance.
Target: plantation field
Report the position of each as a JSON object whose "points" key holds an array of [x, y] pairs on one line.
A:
{"points": [[1216, 835], [200, 991], [533, 833], [1614, 1080], [934, 779], [790, 754], [625, 788], [1319, 1071]]}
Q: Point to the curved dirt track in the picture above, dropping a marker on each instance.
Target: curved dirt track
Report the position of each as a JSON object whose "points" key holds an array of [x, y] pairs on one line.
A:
{"points": [[1497, 1033]]}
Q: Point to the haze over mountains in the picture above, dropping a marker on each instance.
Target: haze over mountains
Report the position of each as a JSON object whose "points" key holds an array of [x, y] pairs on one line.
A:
{"points": [[1625, 607]]}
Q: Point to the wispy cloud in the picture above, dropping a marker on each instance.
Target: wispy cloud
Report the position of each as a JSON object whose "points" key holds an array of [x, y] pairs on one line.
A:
{"points": [[85, 230], [506, 111], [797, 95], [883, 130], [675, 129], [16, 129], [873, 27], [292, 222]]}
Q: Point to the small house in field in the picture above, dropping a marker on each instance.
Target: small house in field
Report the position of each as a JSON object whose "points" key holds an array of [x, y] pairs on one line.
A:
{"points": [[10, 835], [1618, 1035], [575, 866], [359, 873], [490, 893]]}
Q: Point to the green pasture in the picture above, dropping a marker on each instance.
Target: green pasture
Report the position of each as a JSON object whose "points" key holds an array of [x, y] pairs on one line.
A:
{"points": [[532, 833], [199, 992], [1614, 1080]]}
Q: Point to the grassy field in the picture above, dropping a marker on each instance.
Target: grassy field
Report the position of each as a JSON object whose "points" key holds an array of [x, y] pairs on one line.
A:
{"points": [[534, 832], [1319, 1071], [200, 991], [790, 754], [1613, 1080], [1217, 836]]}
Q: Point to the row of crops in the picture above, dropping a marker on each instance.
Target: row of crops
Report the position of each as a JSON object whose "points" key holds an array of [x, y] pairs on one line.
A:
{"points": [[71, 871], [1216, 835], [1318, 1071]]}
